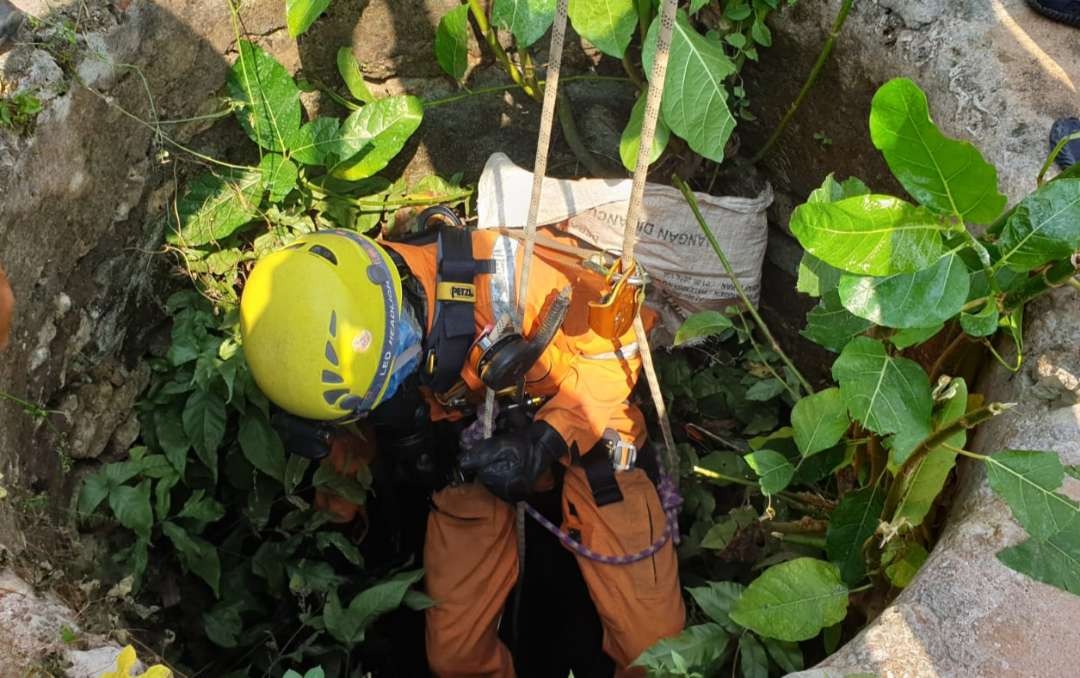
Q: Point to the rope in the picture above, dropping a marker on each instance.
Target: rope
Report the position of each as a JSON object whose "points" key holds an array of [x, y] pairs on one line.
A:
{"points": [[637, 190], [543, 142]]}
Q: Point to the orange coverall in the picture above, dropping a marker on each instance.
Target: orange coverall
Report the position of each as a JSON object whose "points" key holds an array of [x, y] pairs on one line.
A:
{"points": [[470, 552], [7, 306]]}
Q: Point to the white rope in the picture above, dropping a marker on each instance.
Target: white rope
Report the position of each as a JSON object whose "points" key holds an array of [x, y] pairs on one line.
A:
{"points": [[543, 142], [637, 190]]}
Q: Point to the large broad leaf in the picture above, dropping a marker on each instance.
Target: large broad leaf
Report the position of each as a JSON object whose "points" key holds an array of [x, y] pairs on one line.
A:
{"points": [[1054, 561], [317, 142], [773, 469], [695, 98], [831, 325], [887, 395], [948, 176], [204, 424], [793, 601], [820, 421], [1044, 227], [630, 141], [169, 428], [279, 176], [698, 646], [924, 483], [262, 447], [832, 190], [452, 42], [349, 624], [912, 336], [716, 598], [870, 234], [788, 656], [815, 277], [905, 300], [607, 24], [1026, 480], [981, 323], [131, 506], [215, 206], [300, 14], [371, 137], [702, 325], [528, 20], [853, 522], [196, 555], [753, 662], [269, 98], [349, 69]]}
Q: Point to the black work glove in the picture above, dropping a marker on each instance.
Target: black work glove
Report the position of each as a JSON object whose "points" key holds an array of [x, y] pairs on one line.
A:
{"points": [[510, 464]]}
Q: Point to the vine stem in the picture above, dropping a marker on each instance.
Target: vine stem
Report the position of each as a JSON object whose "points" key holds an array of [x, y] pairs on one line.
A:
{"points": [[492, 41], [716, 475], [773, 343], [1053, 156], [934, 441], [811, 80]]}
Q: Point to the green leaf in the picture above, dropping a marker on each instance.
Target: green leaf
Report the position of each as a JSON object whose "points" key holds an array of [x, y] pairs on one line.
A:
{"points": [[906, 300], [347, 488], [348, 625], [163, 495], [696, 5], [215, 206], [926, 480], [764, 390], [630, 141], [788, 656], [325, 540], [1044, 227], [831, 325], [832, 190], [753, 662], [528, 20], [1026, 480], [131, 506], [300, 14], [316, 142], [452, 42], [793, 601], [815, 277], [870, 234], [737, 10], [701, 325], [902, 561], [295, 468], [202, 509], [761, 34], [349, 68], [204, 424], [884, 393], [694, 102], [820, 420], [312, 576], [698, 646], [374, 135], [1054, 561], [223, 624], [269, 99], [279, 176], [853, 521], [982, 323], [607, 24], [262, 447], [773, 469], [169, 428], [715, 600], [197, 556], [915, 335], [94, 490], [945, 175]]}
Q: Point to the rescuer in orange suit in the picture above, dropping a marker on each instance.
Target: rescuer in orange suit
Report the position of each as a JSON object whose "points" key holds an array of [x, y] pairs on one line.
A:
{"points": [[338, 328]]}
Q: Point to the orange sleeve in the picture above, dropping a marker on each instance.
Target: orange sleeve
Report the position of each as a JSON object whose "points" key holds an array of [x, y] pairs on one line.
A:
{"points": [[7, 305], [593, 397]]}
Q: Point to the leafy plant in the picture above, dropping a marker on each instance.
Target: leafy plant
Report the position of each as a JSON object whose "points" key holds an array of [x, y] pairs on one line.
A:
{"points": [[18, 111], [844, 497]]}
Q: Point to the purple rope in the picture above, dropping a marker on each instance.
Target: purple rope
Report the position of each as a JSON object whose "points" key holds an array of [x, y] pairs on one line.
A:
{"points": [[669, 500]]}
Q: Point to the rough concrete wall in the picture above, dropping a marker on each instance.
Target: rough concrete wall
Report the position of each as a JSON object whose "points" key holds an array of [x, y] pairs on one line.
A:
{"points": [[84, 194]]}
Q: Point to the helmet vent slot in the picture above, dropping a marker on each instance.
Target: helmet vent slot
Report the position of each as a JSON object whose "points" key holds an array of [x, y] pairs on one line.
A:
{"points": [[324, 253]]}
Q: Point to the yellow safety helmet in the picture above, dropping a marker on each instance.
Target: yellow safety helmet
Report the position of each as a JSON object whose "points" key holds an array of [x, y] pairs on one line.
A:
{"points": [[320, 319]]}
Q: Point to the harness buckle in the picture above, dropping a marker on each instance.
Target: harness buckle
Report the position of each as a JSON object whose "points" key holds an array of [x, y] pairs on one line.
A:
{"points": [[613, 315], [623, 455]]}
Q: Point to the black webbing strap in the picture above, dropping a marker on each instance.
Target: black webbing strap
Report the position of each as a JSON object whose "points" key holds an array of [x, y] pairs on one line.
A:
{"points": [[601, 474], [454, 327]]}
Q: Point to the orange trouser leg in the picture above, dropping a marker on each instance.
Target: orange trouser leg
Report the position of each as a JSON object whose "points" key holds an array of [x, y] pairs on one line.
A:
{"points": [[470, 554], [639, 603]]}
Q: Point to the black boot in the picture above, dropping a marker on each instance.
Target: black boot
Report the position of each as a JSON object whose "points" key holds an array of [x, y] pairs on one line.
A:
{"points": [[1070, 153], [1065, 11]]}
